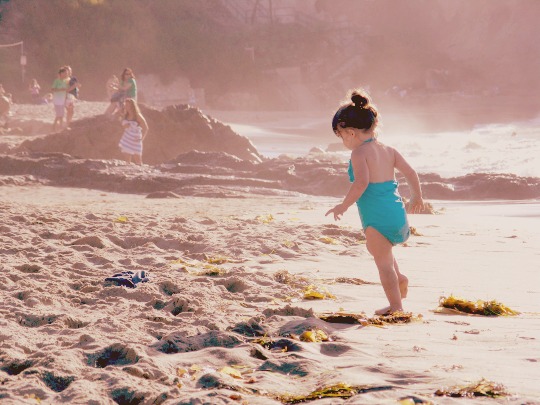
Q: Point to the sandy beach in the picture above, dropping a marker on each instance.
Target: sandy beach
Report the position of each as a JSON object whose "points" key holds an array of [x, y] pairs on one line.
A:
{"points": [[165, 241], [220, 315]]}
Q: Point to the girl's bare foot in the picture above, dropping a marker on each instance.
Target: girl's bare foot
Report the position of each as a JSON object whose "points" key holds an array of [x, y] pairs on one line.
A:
{"points": [[387, 311], [383, 311], [403, 289]]}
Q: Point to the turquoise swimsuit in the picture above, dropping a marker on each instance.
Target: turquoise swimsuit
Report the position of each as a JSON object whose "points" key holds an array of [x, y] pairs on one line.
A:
{"points": [[382, 208]]}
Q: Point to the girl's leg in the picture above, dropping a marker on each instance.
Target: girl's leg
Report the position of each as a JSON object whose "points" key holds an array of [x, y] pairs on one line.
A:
{"points": [[137, 159], [381, 250], [70, 108], [402, 280]]}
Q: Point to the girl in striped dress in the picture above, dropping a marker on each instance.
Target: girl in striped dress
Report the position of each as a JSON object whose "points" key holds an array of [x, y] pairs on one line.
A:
{"points": [[135, 130]]}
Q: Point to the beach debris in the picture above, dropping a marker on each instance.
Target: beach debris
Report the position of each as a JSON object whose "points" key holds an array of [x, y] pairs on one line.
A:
{"points": [[182, 372], [397, 317], [265, 219], [344, 317], [231, 371], [339, 390], [479, 307], [212, 271], [315, 335], [34, 397], [210, 267], [328, 240], [414, 231], [313, 292], [482, 388], [289, 244], [128, 279], [122, 219]]}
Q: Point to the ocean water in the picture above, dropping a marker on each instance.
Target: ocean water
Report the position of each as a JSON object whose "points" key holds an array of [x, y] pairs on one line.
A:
{"points": [[512, 148], [496, 148]]}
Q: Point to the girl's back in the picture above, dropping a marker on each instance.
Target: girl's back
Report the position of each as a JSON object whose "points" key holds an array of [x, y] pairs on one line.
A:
{"points": [[380, 160]]}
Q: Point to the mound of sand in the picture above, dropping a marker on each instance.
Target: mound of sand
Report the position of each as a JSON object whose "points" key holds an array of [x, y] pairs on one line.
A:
{"points": [[174, 130]]}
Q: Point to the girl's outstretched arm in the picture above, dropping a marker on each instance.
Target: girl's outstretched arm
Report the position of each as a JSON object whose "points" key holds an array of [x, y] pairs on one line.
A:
{"points": [[417, 203], [361, 181]]}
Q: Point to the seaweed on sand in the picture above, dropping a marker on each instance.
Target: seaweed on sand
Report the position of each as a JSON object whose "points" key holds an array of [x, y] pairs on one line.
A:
{"points": [[340, 390], [482, 388], [378, 320], [397, 317], [485, 308], [313, 292], [343, 317]]}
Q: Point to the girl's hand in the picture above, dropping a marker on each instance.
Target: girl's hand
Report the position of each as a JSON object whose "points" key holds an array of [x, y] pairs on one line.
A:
{"points": [[416, 205], [338, 211]]}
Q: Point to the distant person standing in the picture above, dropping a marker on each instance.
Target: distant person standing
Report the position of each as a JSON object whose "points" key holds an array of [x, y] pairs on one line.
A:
{"points": [[72, 95], [128, 84], [34, 88], [135, 130], [59, 91], [126, 89]]}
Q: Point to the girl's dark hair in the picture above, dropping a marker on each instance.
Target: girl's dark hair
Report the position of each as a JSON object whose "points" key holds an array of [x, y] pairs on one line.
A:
{"points": [[359, 113]]}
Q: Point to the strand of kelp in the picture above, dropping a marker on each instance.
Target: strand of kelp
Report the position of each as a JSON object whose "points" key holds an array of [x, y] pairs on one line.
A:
{"points": [[485, 308]]}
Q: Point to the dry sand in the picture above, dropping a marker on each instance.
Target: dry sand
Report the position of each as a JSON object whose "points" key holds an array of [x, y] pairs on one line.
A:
{"points": [[226, 271], [69, 337]]}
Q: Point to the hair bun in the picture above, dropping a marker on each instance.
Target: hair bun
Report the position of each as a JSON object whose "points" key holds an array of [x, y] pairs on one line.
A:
{"points": [[359, 100]]}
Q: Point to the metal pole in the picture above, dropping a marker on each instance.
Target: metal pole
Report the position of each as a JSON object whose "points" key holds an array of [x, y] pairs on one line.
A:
{"points": [[23, 61]]}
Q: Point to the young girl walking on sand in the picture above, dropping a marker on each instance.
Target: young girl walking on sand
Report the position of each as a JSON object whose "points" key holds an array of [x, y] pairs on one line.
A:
{"points": [[135, 130], [374, 189]]}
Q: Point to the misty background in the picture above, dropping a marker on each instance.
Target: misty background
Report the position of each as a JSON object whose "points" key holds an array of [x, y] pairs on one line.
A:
{"points": [[467, 58]]}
